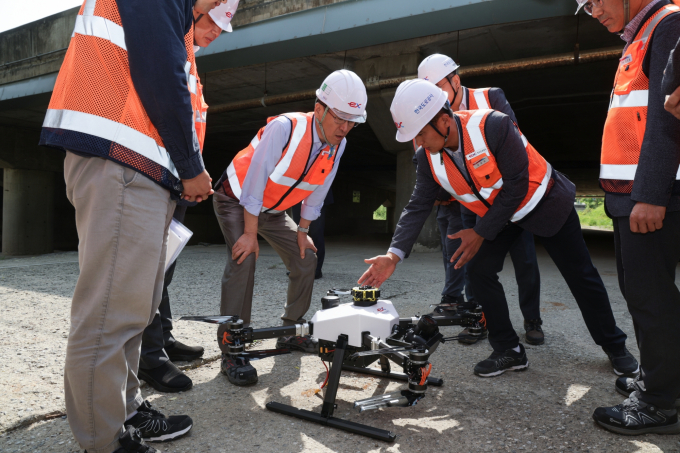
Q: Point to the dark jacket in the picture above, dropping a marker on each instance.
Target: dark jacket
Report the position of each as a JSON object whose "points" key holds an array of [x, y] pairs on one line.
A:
{"points": [[506, 145], [655, 176]]}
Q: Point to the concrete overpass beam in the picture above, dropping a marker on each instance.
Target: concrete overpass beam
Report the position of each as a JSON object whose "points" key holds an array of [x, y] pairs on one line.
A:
{"points": [[28, 192]]}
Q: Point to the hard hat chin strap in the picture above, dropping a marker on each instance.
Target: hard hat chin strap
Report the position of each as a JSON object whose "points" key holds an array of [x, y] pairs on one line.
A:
{"points": [[455, 92], [446, 137], [323, 133]]}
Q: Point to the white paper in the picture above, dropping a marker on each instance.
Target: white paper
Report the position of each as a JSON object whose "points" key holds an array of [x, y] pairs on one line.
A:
{"points": [[178, 236]]}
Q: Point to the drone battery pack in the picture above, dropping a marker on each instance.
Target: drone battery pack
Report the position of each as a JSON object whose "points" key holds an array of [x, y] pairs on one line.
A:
{"points": [[352, 320]]}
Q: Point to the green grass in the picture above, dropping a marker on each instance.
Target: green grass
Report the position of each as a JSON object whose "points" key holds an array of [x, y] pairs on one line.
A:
{"points": [[380, 213], [595, 217]]}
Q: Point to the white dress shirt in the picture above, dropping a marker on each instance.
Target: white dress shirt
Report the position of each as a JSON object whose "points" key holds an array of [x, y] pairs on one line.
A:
{"points": [[268, 153]]}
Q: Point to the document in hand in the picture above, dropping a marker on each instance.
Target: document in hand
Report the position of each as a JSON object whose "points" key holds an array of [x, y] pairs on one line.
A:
{"points": [[178, 236]]}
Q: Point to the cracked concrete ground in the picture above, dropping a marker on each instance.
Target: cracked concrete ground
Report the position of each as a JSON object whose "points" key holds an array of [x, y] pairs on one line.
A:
{"points": [[546, 408]]}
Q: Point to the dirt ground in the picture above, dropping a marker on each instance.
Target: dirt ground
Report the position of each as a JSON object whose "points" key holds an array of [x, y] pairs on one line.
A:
{"points": [[547, 408]]}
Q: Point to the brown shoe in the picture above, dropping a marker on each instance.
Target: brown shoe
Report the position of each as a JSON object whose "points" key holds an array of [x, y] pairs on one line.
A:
{"points": [[534, 331], [472, 335]]}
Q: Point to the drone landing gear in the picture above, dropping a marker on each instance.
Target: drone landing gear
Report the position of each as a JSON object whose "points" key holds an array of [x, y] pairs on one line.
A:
{"points": [[437, 382], [326, 415]]}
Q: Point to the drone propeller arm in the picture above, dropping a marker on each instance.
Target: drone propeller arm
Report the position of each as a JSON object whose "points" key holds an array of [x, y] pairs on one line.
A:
{"points": [[405, 398]]}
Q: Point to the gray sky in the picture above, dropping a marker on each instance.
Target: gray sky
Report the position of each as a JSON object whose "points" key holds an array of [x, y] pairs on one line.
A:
{"points": [[14, 13]]}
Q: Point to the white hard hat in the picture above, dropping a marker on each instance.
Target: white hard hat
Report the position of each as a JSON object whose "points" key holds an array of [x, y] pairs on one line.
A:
{"points": [[435, 67], [345, 94], [414, 105], [581, 4], [223, 14]]}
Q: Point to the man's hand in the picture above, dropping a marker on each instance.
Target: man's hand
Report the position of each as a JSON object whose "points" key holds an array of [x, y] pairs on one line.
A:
{"points": [[304, 242], [646, 218], [197, 189], [471, 242], [382, 267], [245, 245], [672, 104]]}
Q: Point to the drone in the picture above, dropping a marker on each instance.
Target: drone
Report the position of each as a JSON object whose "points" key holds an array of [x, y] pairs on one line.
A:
{"points": [[352, 336]]}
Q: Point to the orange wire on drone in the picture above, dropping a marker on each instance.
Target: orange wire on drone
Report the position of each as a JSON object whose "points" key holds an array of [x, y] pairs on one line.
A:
{"points": [[325, 381], [483, 320], [425, 375]]}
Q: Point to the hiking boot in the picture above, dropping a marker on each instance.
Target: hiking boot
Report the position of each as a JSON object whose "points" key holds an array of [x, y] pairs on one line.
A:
{"points": [[166, 378], [238, 370], [623, 362], [131, 442], [305, 343], [470, 335], [500, 362], [153, 426], [634, 417], [626, 385], [534, 332], [179, 352]]}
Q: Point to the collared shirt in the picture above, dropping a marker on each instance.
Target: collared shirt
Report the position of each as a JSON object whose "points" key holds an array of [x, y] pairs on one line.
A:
{"points": [[629, 32], [267, 155]]}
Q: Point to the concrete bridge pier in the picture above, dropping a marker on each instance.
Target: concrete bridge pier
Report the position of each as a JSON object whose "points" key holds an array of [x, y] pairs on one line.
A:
{"points": [[27, 192]]}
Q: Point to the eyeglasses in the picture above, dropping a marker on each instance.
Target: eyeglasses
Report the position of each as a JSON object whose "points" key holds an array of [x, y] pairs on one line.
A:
{"points": [[339, 121], [588, 7]]}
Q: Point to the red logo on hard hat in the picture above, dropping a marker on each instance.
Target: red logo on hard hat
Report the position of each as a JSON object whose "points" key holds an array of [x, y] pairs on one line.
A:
{"points": [[427, 78], [229, 14], [399, 125], [354, 105]]}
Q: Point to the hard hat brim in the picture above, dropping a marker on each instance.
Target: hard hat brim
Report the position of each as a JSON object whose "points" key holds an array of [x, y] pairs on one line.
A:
{"points": [[350, 117]]}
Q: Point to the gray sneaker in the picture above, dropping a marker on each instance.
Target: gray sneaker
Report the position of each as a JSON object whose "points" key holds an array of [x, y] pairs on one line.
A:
{"points": [[306, 343]]}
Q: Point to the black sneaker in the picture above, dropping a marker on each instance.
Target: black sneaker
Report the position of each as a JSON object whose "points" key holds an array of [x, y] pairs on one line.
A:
{"points": [[534, 332], [306, 343], [499, 362], [626, 385], [472, 336], [166, 378], [179, 352], [238, 370], [634, 417], [131, 442], [623, 362], [156, 427], [452, 300]]}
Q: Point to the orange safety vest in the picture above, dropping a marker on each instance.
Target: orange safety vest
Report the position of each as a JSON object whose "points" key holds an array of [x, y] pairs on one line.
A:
{"points": [[626, 122], [480, 164], [289, 184], [95, 108]]}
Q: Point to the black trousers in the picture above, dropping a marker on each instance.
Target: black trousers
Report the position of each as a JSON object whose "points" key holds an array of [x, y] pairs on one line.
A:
{"points": [[449, 222], [646, 266], [158, 335], [569, 252], [527, 275], [316, 229]]}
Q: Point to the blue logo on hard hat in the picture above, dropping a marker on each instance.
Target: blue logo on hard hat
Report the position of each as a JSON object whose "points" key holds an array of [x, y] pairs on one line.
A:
{"points": [[424, 103]]}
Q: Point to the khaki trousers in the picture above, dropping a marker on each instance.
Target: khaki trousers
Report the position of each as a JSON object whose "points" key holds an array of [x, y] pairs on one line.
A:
{"points": [[122, 219], [238, 280]]}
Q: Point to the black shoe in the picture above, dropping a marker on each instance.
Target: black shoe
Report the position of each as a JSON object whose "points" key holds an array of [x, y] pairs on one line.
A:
{"points": [[534, 332], [179, 352], [166, 378], [318, 275], [238, 370], [635, 417], [623, 362], [469, 336], [499, 362], [131, 442], [306, 343], [452, 300], [626, 385], [156, 427]]}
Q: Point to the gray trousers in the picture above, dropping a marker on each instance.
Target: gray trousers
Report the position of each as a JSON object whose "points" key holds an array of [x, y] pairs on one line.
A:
{"points": [[122, 219], [238, 280], [158, 335]]}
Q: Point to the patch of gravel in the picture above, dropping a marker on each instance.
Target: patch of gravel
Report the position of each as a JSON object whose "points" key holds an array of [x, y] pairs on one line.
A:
{"points": [[546, 408]]}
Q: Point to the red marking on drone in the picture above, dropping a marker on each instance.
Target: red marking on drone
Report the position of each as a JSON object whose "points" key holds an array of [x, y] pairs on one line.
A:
{"points": [[354, 105], [381, 309]]}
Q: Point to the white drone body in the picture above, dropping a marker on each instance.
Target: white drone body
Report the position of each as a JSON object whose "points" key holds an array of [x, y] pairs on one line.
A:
{"points": [[353, 320]]}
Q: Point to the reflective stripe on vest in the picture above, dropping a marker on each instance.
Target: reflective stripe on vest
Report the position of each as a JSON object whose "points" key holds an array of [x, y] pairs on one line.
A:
{"points": [[291, 181], [449, 177], [94, 107], [626, 123]]}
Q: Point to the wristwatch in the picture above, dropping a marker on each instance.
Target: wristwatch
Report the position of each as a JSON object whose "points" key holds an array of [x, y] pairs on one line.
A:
{"points": [[304, 230]]}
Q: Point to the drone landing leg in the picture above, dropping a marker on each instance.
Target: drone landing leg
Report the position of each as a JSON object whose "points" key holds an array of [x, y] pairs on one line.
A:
{"points": [[326, 415], [437, 382]]}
